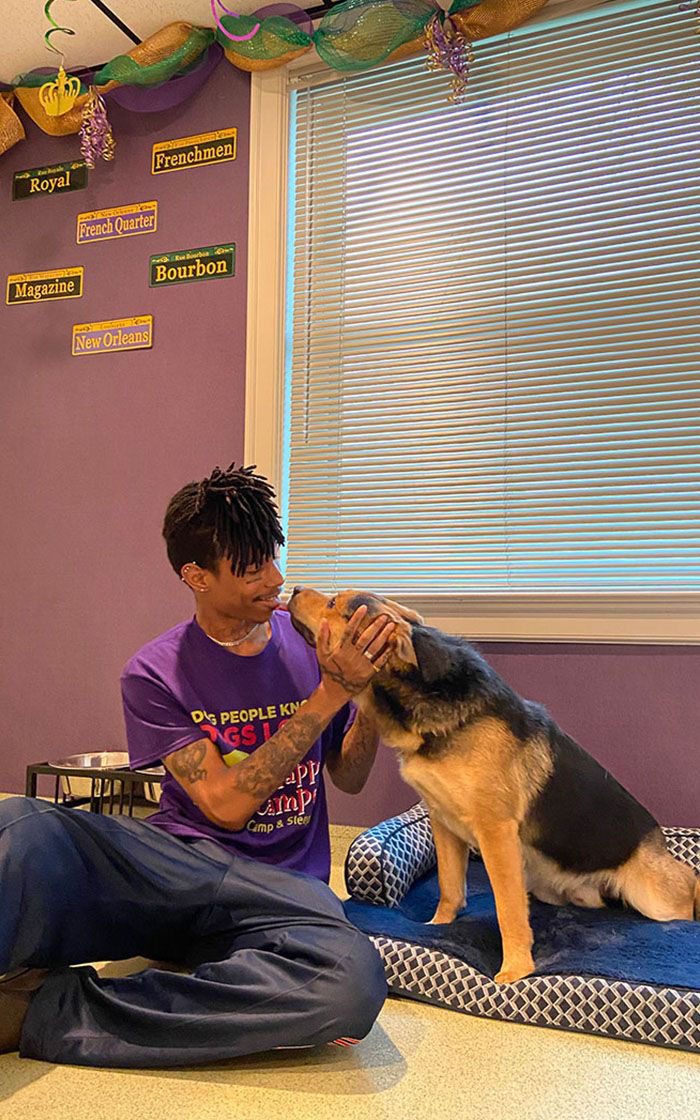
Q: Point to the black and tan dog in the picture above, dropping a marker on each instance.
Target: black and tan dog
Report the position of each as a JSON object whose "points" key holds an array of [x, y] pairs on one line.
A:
{"points": [[498, 774]]}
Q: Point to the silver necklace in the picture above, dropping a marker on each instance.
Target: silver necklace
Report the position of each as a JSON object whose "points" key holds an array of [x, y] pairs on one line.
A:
{"points": [[238, 641]]}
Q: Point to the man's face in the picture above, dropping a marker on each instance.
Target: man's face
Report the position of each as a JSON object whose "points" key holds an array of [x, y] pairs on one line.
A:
{"points": [[252, 596]]}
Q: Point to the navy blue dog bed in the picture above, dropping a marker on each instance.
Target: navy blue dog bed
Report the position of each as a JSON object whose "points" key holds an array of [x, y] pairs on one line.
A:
{"points": [[608, 972]]}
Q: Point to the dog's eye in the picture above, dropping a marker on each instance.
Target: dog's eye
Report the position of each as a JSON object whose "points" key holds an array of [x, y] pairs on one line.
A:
{"points": [[331, 602]]}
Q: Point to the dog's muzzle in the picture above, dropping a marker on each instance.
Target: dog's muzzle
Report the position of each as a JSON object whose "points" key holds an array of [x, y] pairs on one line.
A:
{"points": [[303, 630]]}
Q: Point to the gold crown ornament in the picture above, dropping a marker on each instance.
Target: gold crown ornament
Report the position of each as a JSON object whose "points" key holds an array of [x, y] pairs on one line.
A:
{"points": [[60, 95]]}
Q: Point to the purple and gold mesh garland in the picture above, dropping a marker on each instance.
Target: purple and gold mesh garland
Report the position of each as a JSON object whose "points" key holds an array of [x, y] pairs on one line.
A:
{"points": [[449, 50], [96, 137]]}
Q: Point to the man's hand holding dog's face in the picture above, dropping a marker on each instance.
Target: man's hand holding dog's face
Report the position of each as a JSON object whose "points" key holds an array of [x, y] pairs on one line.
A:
{"points": [[348, 667]]}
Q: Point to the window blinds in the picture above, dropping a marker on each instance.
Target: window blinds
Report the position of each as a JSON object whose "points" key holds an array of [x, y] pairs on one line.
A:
{"points": [[493, 330]]}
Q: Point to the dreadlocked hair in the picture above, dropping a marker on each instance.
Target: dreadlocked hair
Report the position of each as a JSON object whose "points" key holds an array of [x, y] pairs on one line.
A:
{"points": [[231, 513]]}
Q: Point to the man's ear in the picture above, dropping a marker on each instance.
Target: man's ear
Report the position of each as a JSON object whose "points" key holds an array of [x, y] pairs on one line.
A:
{"points": [[433, 655]]}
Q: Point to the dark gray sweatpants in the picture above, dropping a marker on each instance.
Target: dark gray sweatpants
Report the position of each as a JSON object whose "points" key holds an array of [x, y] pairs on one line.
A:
{"points": [[274, 961]]}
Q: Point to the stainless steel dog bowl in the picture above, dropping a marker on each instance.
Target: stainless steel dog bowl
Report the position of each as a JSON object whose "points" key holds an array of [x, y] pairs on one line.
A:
{"points": [[105, 760]]}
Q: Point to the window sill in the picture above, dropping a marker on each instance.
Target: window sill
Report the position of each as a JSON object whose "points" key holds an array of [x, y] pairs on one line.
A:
{"points": [[664, 619]]}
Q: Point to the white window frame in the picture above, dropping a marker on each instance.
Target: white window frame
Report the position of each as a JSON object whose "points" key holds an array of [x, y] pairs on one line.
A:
{"points": [[638, 618]]}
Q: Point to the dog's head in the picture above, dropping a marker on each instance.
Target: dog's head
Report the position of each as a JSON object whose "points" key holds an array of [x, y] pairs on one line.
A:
{"points": [[414, 645], [309, 608]]}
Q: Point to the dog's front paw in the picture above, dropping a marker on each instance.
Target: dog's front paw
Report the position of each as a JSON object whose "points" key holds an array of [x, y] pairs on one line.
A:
{"points": [[514, 970], [444, 915]]}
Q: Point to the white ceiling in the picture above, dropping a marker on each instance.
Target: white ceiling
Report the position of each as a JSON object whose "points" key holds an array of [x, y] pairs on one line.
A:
{"points": [[97, 39]]}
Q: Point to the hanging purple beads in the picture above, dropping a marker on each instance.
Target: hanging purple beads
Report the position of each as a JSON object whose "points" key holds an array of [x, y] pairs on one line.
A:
{"points": [[96, 139]]}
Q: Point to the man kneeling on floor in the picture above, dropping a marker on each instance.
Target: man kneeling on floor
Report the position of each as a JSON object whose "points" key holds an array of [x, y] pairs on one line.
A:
{"points": [[229, 878]]}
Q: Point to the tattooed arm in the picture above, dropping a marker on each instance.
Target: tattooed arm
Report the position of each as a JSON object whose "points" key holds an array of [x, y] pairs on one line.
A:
{"points": [[349, 767], [229, 796]]}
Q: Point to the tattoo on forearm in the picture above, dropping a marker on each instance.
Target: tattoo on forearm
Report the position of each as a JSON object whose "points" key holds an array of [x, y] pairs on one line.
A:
{"points": [[361, 745], [352, 687], [186, 763], [358, 751], [262, 772]]}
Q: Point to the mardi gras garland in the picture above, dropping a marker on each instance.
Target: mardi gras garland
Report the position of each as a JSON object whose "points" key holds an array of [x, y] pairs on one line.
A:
{"points": [[167, 67], [354, 35]]}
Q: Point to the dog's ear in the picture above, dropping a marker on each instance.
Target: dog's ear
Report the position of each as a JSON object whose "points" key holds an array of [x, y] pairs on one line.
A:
{"points": [[433, 655], [405, 612], [402, 642]]}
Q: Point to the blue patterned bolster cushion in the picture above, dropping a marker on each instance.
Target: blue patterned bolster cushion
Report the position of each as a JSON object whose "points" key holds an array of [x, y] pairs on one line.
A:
{"points": [[384, 862]]}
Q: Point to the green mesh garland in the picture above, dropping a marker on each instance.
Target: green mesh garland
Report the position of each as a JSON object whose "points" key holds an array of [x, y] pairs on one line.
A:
{"points": [[361, 34], [125, 70], [354, 35], [277, 37]]}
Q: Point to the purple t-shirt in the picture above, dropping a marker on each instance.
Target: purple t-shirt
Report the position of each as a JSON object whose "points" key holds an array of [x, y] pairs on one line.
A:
{"points": [[182, 687]]}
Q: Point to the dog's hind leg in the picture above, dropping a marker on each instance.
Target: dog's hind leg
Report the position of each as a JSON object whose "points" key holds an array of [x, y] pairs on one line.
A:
{"points": [[551, 884], [539, 878], [502, 853], [656, 884], [452, 860], [585, 894]]}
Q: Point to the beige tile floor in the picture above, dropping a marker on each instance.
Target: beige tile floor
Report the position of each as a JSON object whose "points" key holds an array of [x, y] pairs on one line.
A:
{"points": [[418, 1062]]}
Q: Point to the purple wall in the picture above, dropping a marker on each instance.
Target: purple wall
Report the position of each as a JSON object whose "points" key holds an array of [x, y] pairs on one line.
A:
{"points": [[634, 708], [94, 446]]}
